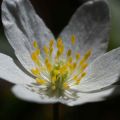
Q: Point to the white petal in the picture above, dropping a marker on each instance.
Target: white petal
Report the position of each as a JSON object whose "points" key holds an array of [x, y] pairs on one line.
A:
{"points": [[91, 97], [90, 25], [22, 26], [103, 72], [10, 72], [27, 95]]}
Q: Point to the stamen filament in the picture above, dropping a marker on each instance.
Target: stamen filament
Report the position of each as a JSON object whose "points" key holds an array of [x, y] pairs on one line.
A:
{"points": [[61, 72]]}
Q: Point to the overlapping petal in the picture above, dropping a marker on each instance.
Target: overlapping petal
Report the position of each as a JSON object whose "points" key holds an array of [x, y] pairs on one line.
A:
{"points": [[10, 72], [90, 25], [103, 72], [25, 94], [22, 26], [90, 97]]}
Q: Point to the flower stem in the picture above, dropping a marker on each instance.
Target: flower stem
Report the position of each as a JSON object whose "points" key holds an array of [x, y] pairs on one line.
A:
{"points": [[56, 111]]}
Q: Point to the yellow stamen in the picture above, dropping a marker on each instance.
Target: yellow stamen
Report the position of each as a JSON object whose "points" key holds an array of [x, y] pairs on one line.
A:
{"points": [[83, 74], [35, 57], [59, 52], [51, 51], [83, 66], [63, 72], [48, 64], [74, 65], [46, 61], [49, 67], [35, 71], [35, 45], [53, 79], [75, 77], [66, 86], [77, 82], [60, 47], [69, 52], [59, 43], [77, 56], [40, 81], [51, 43], [73, 39], [37, 52], [70, 59], [86, 56], [56, 72], [63, 69], [46, 50]]}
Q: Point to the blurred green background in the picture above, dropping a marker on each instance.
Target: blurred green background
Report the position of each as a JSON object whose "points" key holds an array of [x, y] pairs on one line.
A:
{"points": [[56, 14]]}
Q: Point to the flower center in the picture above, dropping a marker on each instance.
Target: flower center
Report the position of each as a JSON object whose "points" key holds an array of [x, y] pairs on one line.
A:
{"points": [[59, 71]]}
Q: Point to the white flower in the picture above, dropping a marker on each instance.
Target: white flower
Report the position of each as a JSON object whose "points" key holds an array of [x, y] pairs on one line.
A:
{"points": [[74, 70]]}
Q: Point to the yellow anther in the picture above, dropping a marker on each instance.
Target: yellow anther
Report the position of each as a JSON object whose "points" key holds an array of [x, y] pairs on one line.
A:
{"points": [[49, 66], [83, 74], [46, 61], [59, 52], [75, 77], [77, 82], [35, 58], [35, 45], [70, 59], [53, 79], [83, 66], [70, 66], [37, 51], [74, 65], [51, 43], [56, 72], [40, 81], [51, 50], [46, 50], [77, 56], [82, 62], [66, 86], [73, 39], [53, 87], [87, 54], [63, 69], [69, 52], [59, 43], [60, 47], [35, 71]]}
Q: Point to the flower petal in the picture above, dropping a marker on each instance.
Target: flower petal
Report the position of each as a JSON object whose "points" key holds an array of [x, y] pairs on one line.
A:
{"points": [[23, 26], [103, 72], [90, 25], [27, 95], [90, 97], [10, 72]]}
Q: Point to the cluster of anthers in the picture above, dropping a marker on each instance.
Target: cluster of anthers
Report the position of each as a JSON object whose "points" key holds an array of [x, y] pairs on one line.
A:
{"points": [[60, 72]]}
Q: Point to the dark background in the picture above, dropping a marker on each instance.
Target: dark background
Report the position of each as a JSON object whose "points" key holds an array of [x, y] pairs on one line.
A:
{"points": [[56, 14]]}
